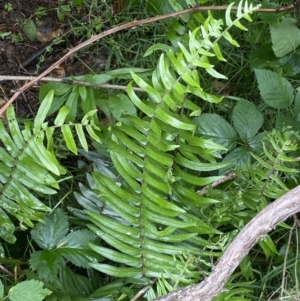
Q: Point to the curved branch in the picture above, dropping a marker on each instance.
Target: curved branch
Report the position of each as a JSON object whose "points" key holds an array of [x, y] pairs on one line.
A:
{"points": [[255, 230]]}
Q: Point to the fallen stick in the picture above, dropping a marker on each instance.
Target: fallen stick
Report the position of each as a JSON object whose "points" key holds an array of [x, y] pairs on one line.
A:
{"points": [[256, 229]]}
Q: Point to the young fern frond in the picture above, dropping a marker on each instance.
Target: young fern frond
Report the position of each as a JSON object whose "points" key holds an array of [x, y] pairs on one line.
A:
{"points": [[161, 161]]}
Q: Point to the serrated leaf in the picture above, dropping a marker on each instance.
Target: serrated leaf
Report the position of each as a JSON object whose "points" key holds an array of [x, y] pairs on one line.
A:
{"points": [[31, 290], [46, 263], [214, 126], [285, 37], [247, 119], [274, 89], [47, 235]]}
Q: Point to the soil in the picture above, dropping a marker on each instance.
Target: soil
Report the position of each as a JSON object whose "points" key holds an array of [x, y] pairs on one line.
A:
{"points": [[36, 33]]}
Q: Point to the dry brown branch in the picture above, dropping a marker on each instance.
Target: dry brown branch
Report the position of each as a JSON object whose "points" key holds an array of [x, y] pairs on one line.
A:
{"points": [[228, 177], [135, 23], [256, 229], [68, 81]]}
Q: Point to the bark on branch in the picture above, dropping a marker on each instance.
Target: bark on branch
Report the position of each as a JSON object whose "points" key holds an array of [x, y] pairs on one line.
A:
{"points": [[256, 229]]}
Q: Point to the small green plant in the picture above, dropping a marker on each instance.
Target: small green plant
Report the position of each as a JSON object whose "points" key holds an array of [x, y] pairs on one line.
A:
{"points": [[16, 37], [8, 7]]}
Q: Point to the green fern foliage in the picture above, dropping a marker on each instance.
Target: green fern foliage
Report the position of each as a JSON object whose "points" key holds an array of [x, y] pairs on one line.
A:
{"points": [[277, 166], [148, 212], [26, 167], [28, 164]]}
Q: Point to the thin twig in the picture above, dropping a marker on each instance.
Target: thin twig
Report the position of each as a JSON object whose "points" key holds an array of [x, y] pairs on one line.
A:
{"points": [[133, 24], [229, 177], [143, 290], [285, 260], [67, 81], [6, 271]]}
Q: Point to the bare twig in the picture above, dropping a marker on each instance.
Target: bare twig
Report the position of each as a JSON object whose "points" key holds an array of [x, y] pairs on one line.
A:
{"points": [[6, 271], [143, 290], [68, 81], [285, 260], [135, 23], [228, 177]]}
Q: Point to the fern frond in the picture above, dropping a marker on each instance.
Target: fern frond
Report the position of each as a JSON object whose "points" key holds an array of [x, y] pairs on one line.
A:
{"points": [[160, 161], [28, 167], [272, 170]]}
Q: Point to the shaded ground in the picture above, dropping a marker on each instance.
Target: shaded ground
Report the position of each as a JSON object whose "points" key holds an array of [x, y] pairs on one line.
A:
{"points": [[35, 33]]}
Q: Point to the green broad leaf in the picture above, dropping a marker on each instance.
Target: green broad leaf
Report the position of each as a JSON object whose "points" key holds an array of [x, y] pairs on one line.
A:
{"points": [[262, 57], [68, 137], [285, 37], [239, 158], [30, 30], [61, 116], [256, 143], [275, 90], [50, 233], [43, 110], [46, 263], [247, 119], [214, 126], [31, 290], [81, 136], [283, 121]]}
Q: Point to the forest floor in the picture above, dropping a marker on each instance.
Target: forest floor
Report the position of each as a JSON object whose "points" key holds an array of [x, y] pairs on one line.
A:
{"points": [[34, 34]]}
